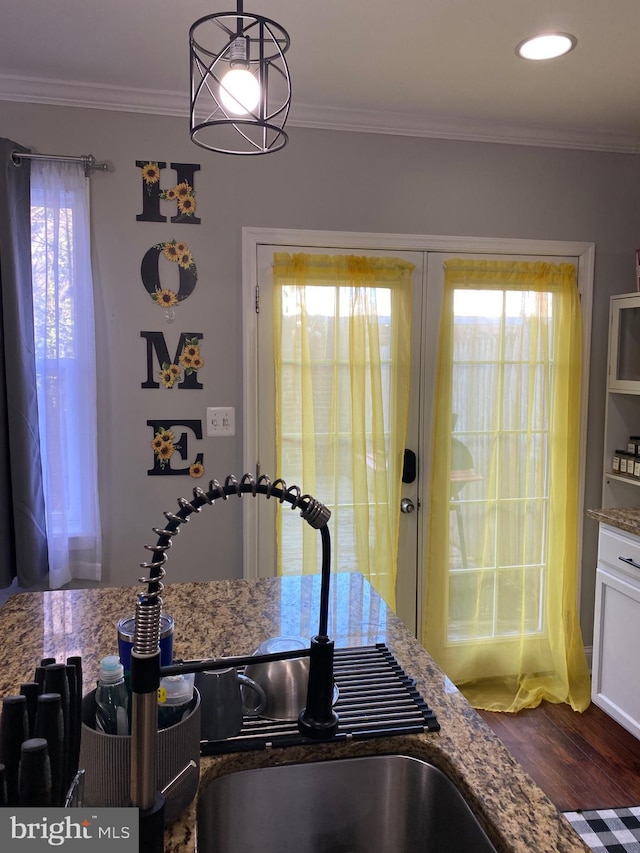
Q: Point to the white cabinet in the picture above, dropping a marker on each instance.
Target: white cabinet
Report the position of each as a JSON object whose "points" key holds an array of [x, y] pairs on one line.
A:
{"points": [[624, 343], [615, 682], [616, 636], [622, 417]]}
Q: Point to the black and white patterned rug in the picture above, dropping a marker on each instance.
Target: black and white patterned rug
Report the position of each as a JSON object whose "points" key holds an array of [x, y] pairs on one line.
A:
{"points": [[608, 830]]}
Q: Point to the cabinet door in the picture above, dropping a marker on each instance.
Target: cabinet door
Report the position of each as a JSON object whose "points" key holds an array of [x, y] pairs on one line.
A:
{"points": [[615, 682], [624, 344]]}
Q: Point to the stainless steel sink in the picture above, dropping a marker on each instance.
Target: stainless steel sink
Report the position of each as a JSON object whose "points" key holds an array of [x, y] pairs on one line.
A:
{"points": [[376, 804]]}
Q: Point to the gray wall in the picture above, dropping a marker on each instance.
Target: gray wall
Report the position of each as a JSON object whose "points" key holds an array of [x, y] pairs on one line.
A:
{"points": [[322, 180]]}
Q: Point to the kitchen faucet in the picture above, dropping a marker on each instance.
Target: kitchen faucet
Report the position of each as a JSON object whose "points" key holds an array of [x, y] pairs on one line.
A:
{"points": [[317, 719]]}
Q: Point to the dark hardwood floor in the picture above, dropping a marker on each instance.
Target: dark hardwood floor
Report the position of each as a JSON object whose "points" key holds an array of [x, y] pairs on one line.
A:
{"points": [[581, 761]]}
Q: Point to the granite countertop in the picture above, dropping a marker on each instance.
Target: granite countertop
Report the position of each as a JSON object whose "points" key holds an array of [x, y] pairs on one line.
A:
{"points": [[233, 617], [625, 519]]}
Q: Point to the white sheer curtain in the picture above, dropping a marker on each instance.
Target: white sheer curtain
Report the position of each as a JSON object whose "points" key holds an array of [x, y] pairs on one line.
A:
{"points": [[66, 368]]}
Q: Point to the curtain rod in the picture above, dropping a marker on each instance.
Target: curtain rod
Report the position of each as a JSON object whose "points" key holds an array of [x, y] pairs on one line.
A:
{"points": [[87, 160]]}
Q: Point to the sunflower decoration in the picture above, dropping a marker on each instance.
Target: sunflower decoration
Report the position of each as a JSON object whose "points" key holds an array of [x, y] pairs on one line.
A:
{"points": [[190, 357], [184, 189], [197, 362], [185, 259], [170, 250], [150, 174], [184, 194], [163, 445], [196, 470], [167, 298], [178, 252], [187, 205], [170, 374]]}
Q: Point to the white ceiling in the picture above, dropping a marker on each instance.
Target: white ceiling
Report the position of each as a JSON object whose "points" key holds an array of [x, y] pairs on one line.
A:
{"points": [[441, 68]]}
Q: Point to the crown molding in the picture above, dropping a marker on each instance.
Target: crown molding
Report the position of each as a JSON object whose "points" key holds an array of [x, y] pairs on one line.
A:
{"points": [[97, 96], [153, 102], [464, 129]]}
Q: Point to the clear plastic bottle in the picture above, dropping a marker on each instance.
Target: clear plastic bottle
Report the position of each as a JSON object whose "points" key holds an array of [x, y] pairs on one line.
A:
{"points": [[175, 699], [112, 698]]}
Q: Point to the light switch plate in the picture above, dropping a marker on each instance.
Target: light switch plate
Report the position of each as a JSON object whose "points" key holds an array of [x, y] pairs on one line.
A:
{"points": [[221, 421]]}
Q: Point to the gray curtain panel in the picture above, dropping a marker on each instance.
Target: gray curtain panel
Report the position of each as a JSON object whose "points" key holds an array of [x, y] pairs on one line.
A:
{"points": [[23, 537]]}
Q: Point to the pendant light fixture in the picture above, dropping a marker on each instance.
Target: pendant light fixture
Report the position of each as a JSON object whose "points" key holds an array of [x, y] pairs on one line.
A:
{"points": [[240, 85]]}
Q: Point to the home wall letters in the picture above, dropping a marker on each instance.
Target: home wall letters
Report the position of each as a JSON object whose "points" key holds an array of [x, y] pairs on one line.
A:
{"points": [[163, 371], [187, 358], [182, 192], [165, 446]]}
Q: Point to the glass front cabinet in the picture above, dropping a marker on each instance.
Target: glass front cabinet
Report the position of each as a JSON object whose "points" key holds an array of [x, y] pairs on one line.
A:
{"points": [[624, 344], [622, 424]]}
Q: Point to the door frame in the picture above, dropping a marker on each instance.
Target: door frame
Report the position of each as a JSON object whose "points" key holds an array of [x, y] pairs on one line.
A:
{"points": [[253, 237]]}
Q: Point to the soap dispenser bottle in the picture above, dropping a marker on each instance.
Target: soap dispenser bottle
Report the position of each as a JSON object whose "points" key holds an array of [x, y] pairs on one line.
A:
{"points": [[112, 698]]}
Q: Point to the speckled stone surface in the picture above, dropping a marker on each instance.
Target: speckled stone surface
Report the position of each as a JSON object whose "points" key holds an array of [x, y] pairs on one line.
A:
{"points": [[625, 519], [233, 617]]}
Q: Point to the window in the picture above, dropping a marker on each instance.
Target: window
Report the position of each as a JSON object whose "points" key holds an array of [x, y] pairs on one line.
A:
{"points": [[503, 373], [65, 368]]}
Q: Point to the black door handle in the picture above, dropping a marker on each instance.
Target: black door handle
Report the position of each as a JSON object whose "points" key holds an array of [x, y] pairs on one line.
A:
{"points": [[409, 467]]}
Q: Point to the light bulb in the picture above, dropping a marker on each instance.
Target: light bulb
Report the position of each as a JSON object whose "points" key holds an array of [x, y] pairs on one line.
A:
{"points": [[239, 91], [546, 46]]}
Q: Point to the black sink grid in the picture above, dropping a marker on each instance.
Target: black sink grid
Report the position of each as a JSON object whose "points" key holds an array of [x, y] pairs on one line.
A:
{"points": [[376, 699]]}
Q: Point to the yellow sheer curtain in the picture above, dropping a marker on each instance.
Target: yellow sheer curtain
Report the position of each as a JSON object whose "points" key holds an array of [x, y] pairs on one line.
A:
{"points": [[342, 355], [501, 612]]}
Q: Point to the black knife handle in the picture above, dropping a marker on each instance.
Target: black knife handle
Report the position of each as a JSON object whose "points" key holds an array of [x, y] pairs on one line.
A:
{"points": [[31, 690], [14, 727], [55, 681], [34, 777], [50, 726]]}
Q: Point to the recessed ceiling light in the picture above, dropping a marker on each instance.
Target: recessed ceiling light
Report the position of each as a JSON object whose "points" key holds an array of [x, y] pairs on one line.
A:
{"points": [[546, 46]]}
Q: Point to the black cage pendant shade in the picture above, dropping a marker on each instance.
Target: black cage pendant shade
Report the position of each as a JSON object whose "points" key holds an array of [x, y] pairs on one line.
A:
{"points": [[240, 84]]}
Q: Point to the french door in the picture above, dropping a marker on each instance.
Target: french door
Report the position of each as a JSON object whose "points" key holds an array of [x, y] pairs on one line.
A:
{"points": [[427, 290], [328, 390]]}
